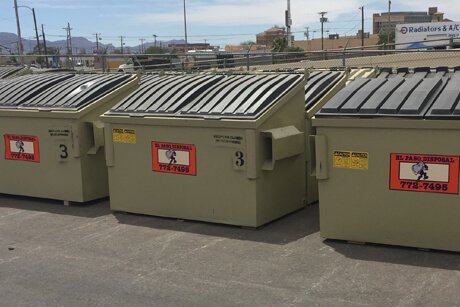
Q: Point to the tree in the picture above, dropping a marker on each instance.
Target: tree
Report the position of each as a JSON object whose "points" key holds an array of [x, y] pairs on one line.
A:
{"points": [[154, 50], [279, 44], [383, 38], [49, 50], [248, 42]]}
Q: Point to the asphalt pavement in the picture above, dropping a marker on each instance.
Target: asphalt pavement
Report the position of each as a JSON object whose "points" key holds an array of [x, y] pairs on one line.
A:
{"points": [[86, 255]]}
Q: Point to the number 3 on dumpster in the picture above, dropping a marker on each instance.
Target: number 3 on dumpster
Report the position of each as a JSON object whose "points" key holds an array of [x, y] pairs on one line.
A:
{"points": [[239, 160]]}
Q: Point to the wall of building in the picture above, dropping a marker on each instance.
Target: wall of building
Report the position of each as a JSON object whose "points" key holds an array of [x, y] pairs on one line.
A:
{"points": [[380, 21], [329, 44]]}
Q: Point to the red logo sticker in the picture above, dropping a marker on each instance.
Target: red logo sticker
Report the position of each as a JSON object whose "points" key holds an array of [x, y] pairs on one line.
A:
{"points": [[424, 173], [22, 148], [174, 158]]}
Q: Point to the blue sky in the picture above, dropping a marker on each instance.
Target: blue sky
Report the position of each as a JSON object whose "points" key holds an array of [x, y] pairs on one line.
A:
{"points": [[219, 22]]}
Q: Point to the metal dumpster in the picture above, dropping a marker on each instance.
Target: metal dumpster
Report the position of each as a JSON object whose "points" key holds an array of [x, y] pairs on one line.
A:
{"points": [[51, 135], [218, 148], [388, 163]]}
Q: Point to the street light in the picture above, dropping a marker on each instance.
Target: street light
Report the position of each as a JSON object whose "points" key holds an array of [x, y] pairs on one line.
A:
{"points": [[155, 40], [35, 23]]}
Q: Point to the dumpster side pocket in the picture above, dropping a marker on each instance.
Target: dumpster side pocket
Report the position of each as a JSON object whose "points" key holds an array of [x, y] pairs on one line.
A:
{"points": [[312, 155], [321, 168], [109, 150], [98, 134], [282, 143]]}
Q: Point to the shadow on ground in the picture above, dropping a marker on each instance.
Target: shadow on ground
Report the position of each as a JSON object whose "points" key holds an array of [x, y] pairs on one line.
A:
{"points": [[290, 228], [397, 255], [92, 209]]}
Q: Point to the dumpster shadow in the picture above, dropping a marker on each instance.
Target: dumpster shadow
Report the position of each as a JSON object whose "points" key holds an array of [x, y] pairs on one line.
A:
{"points": [[397, 255], [92, 209], [289, 228]]}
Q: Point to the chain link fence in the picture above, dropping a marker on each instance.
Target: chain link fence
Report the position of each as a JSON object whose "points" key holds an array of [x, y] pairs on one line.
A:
{"points": [[370, 56]]}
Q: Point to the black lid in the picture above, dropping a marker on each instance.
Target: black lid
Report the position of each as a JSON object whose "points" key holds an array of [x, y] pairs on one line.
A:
{"points": [[379, 97], [77, 92], [319, 83], [58, 91], [233, 96], [22, 89], [6, 71]]}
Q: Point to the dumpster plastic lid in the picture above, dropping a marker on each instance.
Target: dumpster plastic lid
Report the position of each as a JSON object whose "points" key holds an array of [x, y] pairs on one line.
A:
{"points": [[77, 92], [421, 72], [447, 103], [412, 97], [319, 83], [58, 91], [207, 96], [6, 71], [21, 89]]}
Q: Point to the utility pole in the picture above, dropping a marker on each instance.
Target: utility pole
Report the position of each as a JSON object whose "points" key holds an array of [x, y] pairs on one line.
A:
{"points": [[185, 35], [36, 32], [185, 29], [18, 26], [322, 20], [362, 26], [121, 44], [288, 23], [44, 46], [69, 45], [307, 33], [97, 41], [389, 22], [142, 45], [69, 39]]}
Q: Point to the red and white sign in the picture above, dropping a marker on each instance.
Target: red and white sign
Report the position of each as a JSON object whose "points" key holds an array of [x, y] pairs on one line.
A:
{"points": [[174, 158], [424, 173], [22, 148]]}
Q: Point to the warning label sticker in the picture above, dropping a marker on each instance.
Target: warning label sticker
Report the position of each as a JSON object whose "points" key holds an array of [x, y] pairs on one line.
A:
{"points": [[424, 173], [174, 158], [342, 159], [126, 136], [360, 160], [22, 148], [351, 160]]}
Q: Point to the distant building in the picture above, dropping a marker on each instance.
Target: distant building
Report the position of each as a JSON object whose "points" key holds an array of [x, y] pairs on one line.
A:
{"points": [[268, 36], [335, 41], [381, 25], [245, 48], [180, 48]]}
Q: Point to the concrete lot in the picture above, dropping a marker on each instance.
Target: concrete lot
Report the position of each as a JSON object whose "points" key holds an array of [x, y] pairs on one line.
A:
{"points": [[413, 59], [51, 255]]}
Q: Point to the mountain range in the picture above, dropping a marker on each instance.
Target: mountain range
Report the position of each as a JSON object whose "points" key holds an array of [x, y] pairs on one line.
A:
{"points": [[8, 44]]}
